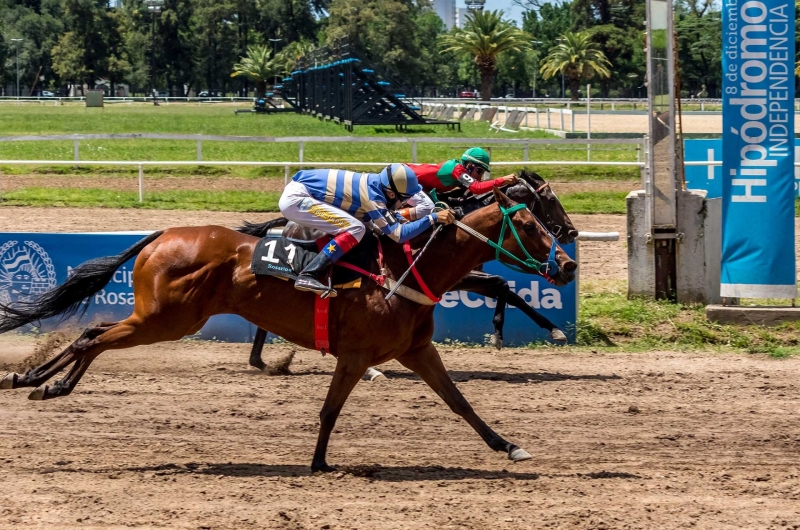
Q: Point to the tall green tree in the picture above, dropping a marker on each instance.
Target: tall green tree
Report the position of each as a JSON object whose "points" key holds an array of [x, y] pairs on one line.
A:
{"points": [[485, 37], [577, 58]]}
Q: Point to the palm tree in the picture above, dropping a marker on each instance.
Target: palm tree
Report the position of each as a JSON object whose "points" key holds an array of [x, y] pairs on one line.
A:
{"points": [[257, 66], [486, 35], [287, 59], [576, 58]]}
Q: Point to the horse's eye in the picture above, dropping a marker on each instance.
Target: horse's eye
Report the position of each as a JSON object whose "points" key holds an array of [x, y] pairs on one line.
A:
{"points": [[530, 228]]}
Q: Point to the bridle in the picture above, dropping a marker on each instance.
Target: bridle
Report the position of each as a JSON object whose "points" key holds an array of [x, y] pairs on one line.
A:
{"points": [[548, 269]]}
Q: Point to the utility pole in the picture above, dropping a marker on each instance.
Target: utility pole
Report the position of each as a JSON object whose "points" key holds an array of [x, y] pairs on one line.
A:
{"points": [[274, 53], [17, 41]]}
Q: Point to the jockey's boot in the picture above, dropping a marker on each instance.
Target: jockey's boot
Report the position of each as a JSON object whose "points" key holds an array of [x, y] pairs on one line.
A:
{"points": [[312, 277]]}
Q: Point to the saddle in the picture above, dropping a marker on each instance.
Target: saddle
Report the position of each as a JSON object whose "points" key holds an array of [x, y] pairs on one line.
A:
{"points": [[286, 256]]}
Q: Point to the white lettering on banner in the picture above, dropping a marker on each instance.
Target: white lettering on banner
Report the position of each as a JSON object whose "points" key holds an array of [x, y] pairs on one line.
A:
{"points": [[548, 299], [761, 40], [123, 276], [105, 298]]}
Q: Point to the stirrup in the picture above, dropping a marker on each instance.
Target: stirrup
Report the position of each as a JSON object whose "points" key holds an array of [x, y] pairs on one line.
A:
{"points": [[321, 289]]}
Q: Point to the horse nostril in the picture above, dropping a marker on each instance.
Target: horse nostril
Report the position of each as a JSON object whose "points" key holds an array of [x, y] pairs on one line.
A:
{"points": [[573, 233], [570, 266]]}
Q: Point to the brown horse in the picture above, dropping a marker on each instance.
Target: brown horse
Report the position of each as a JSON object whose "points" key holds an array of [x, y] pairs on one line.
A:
{"points": [[183, 276], [533, 191]]}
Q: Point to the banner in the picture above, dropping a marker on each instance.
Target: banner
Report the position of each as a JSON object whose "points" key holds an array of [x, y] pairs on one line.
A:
{"points": [[32, 263], [709, 177], [758, 256]]}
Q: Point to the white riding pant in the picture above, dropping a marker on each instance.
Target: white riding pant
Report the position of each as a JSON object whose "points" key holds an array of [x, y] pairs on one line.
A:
{"points": [[297, 204]]}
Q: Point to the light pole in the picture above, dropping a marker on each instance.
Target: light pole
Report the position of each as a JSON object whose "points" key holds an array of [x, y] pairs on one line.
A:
{"points": [[274, 53], [154, 7], [563, 90], [17, 41], [535, 68]]}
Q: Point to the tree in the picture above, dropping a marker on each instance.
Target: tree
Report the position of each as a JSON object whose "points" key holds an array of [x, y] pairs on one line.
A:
{"points": [[485, 36], [68, 58], [257, 66], [287, 58], [577, 58]]}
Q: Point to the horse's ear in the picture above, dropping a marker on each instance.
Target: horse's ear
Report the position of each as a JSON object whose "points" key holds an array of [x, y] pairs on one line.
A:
{"points": [[502, 199]]}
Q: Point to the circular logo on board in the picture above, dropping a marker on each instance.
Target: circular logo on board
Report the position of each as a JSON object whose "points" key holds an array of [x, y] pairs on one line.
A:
{"points": [[26, 271]]}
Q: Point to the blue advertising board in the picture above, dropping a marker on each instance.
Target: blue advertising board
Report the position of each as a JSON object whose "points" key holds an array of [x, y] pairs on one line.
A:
{"points": [[758, 57], [32, 263], [709, 177]]}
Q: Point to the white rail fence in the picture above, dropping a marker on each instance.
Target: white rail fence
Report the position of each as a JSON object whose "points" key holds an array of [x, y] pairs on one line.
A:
{"points": [[301, 141]]}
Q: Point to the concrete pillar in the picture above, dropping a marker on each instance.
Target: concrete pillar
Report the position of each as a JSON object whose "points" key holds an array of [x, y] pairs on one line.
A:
{"points": [[698, 249], [641, 253]]}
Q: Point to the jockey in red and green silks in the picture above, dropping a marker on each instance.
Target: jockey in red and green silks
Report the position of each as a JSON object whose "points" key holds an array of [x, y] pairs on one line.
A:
{"points": [[466, 173]]}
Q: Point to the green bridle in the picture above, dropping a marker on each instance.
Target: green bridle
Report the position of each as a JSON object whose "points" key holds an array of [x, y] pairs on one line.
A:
{"points": [[546, 269]]}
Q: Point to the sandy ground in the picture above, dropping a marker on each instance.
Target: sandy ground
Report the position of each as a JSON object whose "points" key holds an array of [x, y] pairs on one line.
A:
{"points": [[627, 123], [183, 435]]}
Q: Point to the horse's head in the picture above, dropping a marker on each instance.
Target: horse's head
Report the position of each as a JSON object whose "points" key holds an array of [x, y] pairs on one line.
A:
{"points": [[535, 192], [529, 239]]}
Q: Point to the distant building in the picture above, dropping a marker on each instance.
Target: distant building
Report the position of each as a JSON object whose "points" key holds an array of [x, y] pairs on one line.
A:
{"points": [[446, 9], [461, 16]]}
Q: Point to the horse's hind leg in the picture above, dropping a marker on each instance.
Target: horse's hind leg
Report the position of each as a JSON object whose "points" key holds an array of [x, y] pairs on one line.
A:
{"points": [[38, 375], [428, 365], [493, 286], [128, 333], [255, 353]]}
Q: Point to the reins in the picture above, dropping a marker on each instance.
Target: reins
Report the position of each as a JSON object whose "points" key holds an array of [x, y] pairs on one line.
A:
{"points": [[546, 269]]}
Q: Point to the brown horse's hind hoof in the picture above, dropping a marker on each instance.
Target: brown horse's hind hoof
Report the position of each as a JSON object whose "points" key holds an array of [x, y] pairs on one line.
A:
{"points": [[39, 393], [8, 382], [517, 454], [324, 468]]}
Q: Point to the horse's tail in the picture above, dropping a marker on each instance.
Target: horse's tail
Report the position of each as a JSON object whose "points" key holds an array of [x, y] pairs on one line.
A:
{"points": [[65, 300], [261, 229]]}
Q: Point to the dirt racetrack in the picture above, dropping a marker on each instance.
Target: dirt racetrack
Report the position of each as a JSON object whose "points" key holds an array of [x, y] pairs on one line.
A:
{"points": [[183, 435]]}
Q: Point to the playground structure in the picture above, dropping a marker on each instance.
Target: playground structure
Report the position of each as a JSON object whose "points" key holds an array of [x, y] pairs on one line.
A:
{"points": [[337, 84]]}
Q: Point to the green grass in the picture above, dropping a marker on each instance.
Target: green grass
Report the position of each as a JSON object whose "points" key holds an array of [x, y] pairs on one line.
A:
{"points": [[194, 119], [228, 201], [608, 320]]}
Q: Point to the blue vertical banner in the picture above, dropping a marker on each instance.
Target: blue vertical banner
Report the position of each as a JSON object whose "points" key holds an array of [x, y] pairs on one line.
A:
{"points": [[758, 255]]}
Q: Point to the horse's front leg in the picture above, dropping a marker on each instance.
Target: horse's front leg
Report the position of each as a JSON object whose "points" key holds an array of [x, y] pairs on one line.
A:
{"points": [[426, 363], [347, 374]]}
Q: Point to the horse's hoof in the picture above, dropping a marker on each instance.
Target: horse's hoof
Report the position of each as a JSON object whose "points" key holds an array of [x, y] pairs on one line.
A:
{"points": [[39, 393], [496, 341], [261, 365], [557, 335], [372, 374], [8, 382], [517, 454], [324, 468]]}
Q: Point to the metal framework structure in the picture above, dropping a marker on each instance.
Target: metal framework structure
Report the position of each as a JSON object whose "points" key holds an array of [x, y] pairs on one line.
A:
{"points": [[335, 84], [663, 159]]}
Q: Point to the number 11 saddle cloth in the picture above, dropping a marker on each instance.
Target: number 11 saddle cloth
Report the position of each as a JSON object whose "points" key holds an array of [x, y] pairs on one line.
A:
{"points": [[285, 257]]}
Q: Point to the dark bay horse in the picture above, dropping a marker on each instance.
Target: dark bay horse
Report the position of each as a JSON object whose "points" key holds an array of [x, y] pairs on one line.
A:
{"points": [[533, 191], [183, 276]]}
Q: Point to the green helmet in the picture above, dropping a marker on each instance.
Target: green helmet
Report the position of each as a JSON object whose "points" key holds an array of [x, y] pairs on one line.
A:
{"points": [[477, 156]]}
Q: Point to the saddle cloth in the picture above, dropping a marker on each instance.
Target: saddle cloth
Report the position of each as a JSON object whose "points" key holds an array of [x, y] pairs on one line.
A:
{"points": [[285, 257]]}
